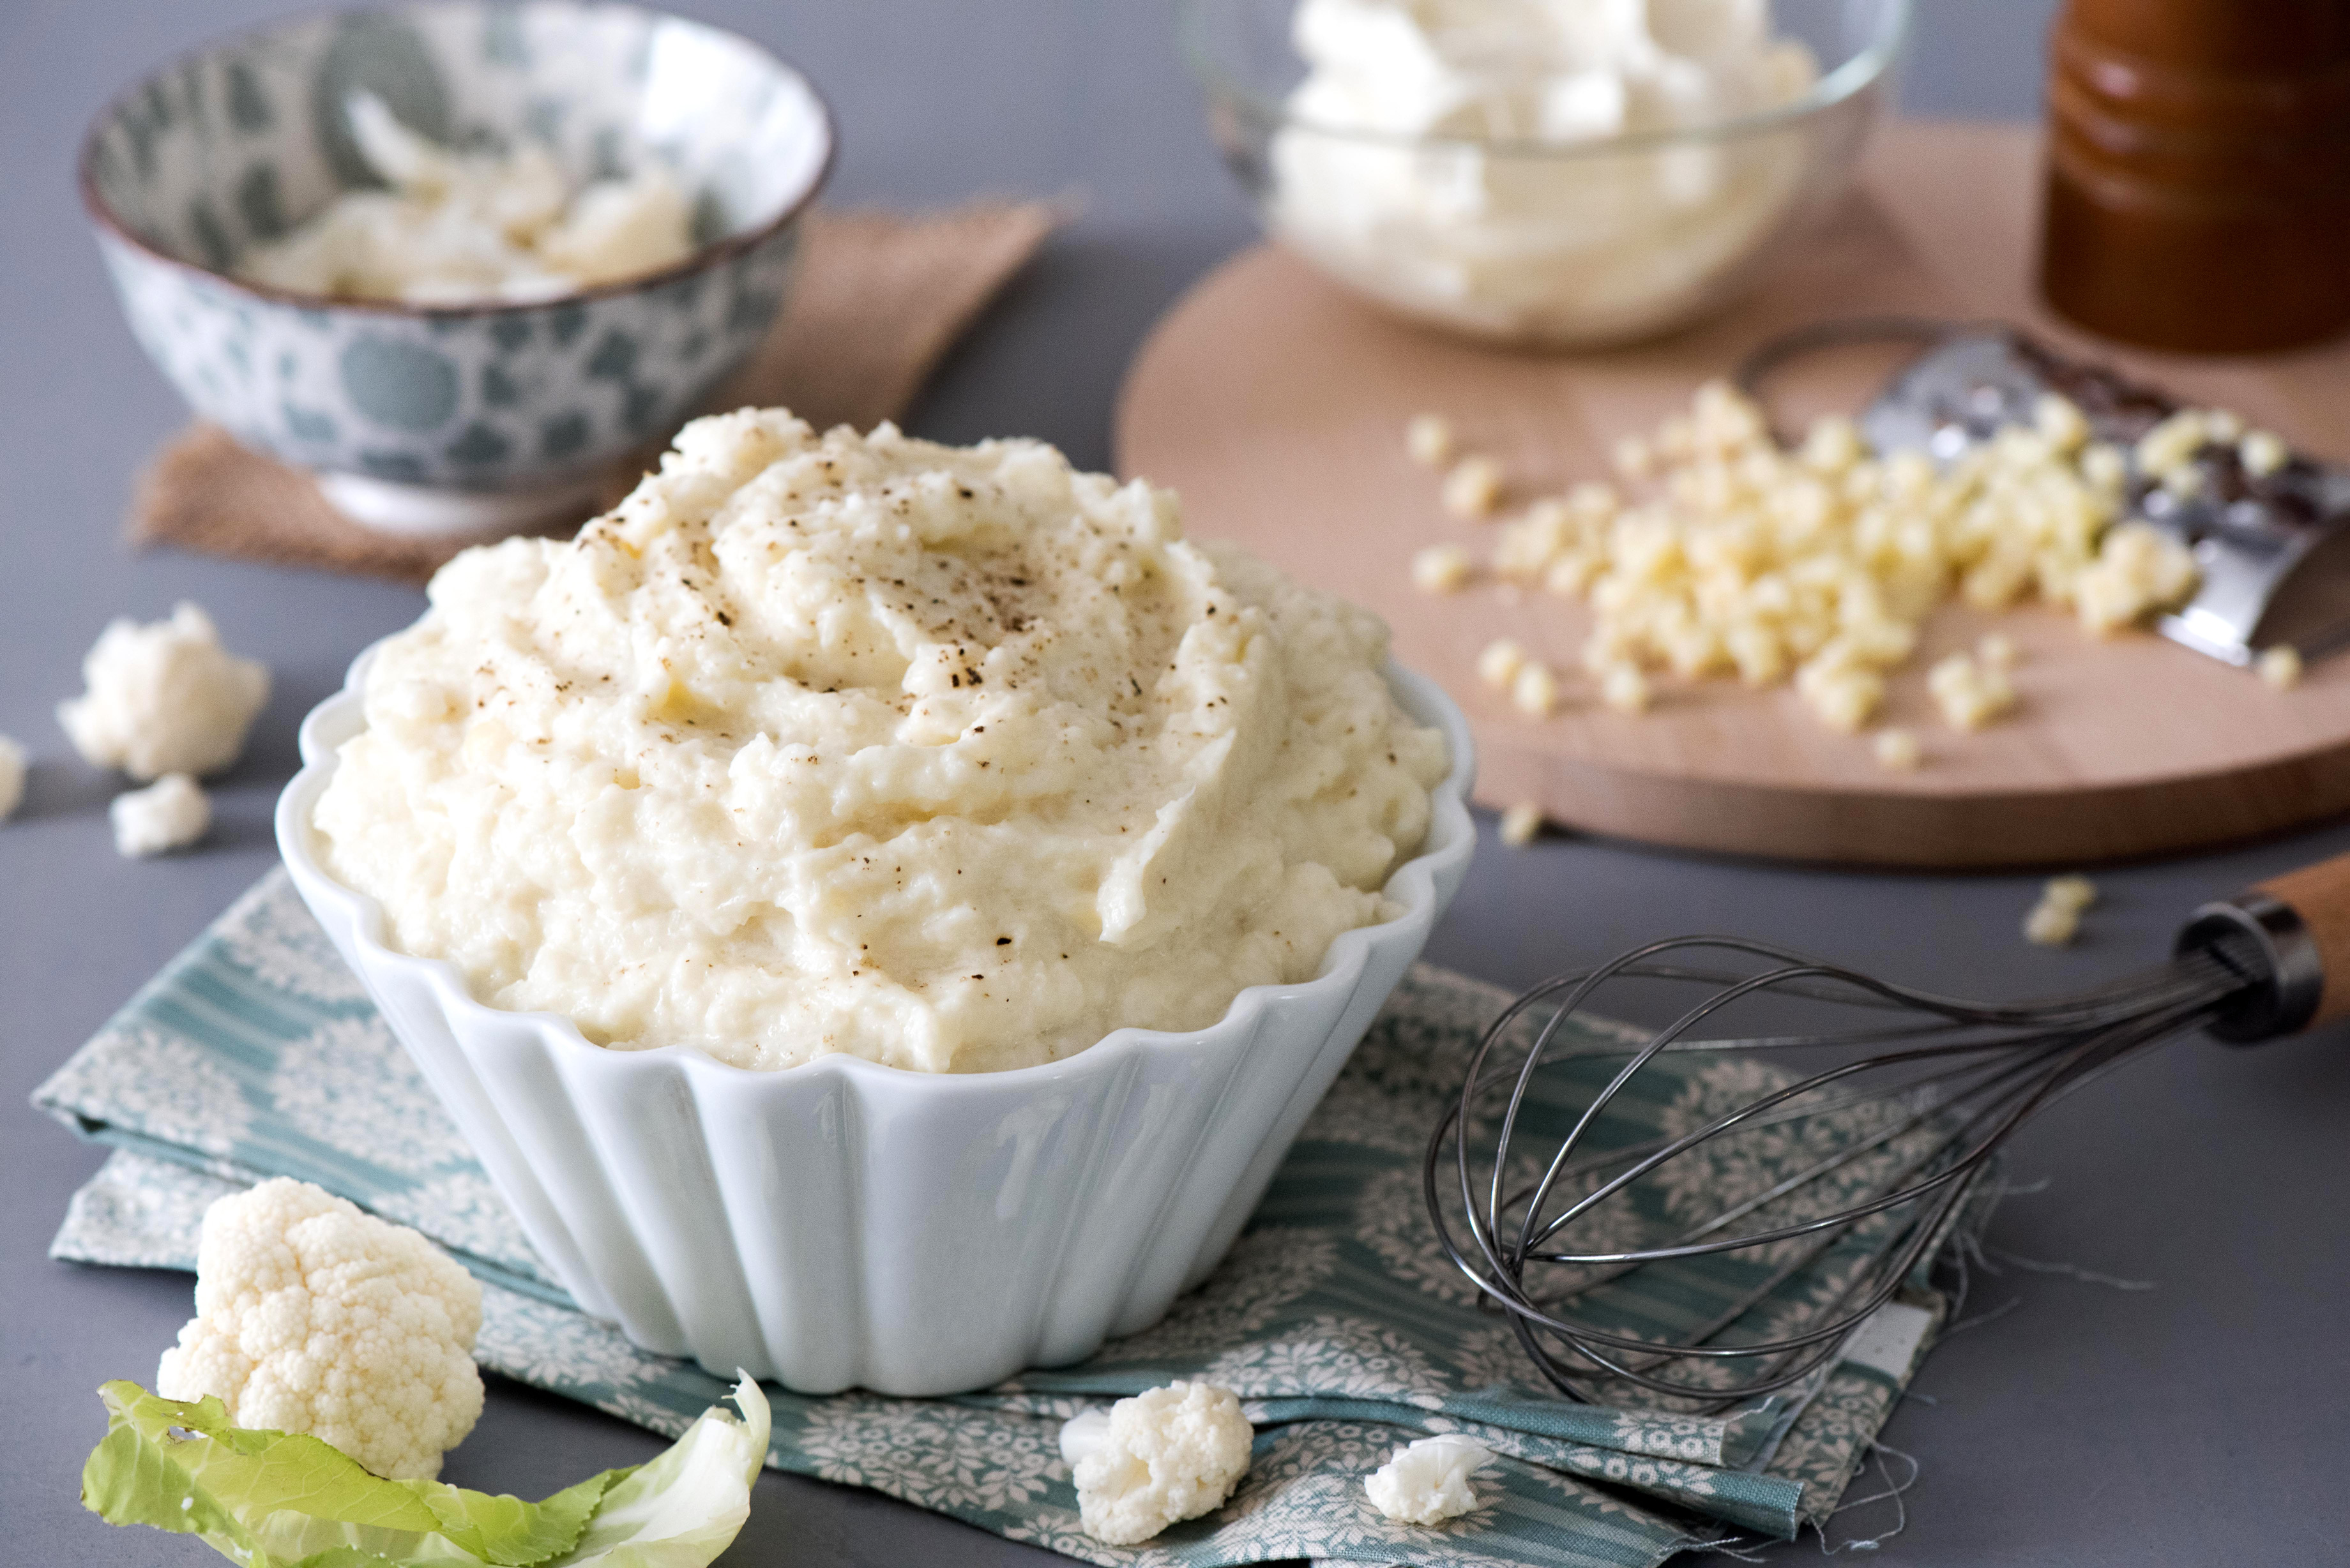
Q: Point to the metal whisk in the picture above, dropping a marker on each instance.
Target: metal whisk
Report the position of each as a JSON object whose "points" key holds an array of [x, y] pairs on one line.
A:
{"points": [[1825, 1188]]}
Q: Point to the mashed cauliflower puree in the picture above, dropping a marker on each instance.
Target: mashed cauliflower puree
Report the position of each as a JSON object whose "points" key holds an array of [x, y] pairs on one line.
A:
{"points": [[955, 759], [458, 228]]}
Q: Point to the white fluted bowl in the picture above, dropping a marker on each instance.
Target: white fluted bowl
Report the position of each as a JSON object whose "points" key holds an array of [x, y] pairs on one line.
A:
{"points": [[845, 1224]]}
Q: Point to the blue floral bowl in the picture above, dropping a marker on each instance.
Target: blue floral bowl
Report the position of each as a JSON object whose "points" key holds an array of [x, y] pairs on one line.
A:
{"points": [[467, 416]]}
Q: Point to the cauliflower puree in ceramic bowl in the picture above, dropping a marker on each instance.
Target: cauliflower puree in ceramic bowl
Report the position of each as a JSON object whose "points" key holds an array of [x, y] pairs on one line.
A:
{"points": [[880, 910]]}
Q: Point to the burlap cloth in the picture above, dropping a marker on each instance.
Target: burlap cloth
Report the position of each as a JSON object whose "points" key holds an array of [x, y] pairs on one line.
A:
{"points": [[877, 302]]}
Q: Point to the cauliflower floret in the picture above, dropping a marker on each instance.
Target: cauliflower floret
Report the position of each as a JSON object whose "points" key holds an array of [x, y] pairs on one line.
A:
{"points": [[164, 698], [1428, 1482], [169, 813], [12, 777], [313, 1317], [1170, 1454]]}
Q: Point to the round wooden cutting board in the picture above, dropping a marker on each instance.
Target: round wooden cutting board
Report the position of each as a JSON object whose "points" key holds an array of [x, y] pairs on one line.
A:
{"points": [[1276, 405]]}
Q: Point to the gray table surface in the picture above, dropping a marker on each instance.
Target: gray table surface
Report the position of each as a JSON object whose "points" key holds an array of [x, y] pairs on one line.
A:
{"points": [[2195, 1422]]}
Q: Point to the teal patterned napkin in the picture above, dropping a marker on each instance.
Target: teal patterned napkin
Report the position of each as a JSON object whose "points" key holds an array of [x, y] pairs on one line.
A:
{"points": [[1338, 1322]]}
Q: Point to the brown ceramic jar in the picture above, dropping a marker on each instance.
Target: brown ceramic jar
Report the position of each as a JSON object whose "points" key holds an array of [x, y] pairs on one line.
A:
{"points": [[2198, 171]]}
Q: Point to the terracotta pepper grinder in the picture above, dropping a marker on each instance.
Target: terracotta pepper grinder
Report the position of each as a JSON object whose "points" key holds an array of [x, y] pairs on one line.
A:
{"points": [[2198, 171]]}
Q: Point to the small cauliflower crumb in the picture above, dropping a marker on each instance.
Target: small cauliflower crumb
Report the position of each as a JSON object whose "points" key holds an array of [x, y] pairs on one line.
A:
{"points": [[12, 777], [1474, 488], [2056, 919], [164, 698], [1429, 441], [1897, 750], [2051, 925], [1970, 694], [2279, 668], [1442, 569], [1427, 1482], [2263, 452], [1163, 1456], [169, 813], [1534, 689], [313, 1317], [1996, 650], [1521, 823], [1625, 688], [1499, 662], [2072, 891]]}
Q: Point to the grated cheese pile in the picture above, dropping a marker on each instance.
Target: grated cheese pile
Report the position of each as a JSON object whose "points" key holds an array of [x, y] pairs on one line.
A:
{"points": [[1818, 566]]}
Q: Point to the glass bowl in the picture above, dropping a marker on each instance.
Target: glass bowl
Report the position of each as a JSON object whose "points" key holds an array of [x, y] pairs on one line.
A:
{"points": [[1548, 243]]}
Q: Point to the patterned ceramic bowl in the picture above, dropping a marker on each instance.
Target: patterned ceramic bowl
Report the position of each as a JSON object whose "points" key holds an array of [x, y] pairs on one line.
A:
{"points": [[841, 1223], [452, 416]]}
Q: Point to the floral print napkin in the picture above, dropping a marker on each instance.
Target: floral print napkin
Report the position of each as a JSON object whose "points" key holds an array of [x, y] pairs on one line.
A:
{"points": [[1336, 1319]]}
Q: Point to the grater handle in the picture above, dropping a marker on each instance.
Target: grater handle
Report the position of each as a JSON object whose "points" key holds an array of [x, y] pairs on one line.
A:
{"points": [[2293, 931]]}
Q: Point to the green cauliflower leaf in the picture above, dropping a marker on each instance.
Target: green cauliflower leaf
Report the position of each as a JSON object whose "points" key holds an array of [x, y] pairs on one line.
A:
{"points": [[280, 1499]]}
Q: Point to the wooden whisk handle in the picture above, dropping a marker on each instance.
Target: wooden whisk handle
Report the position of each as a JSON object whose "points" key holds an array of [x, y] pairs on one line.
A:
{"points": [[2320, 895], [2294, 931]]}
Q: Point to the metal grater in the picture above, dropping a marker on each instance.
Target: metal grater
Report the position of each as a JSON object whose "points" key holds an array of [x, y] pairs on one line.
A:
{"points": [[2274, 554]]}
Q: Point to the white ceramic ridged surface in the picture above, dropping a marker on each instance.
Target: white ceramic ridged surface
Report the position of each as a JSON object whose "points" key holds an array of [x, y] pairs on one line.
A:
{"points": [[845, 1224]]}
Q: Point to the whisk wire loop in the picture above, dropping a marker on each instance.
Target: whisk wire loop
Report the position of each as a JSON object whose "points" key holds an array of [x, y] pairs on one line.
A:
{"points": [[1870, 1159]]}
